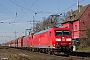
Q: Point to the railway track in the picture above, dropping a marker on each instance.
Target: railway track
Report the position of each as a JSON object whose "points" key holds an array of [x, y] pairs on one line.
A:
{"points": [[42, 56], [80, 54]]}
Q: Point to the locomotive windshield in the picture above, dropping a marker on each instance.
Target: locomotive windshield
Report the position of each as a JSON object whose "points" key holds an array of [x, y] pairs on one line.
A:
{"points": [[62, 33]]}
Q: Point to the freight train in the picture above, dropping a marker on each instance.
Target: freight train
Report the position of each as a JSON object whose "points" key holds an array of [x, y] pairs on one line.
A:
{"points": [[52, 40]]}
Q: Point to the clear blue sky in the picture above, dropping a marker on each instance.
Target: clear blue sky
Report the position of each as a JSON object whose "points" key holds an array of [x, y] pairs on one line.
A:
{"points": [[21, 11]]}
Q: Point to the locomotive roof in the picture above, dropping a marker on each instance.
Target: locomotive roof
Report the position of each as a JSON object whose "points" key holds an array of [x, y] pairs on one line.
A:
{"points": [[41, 32], [51, 29]]}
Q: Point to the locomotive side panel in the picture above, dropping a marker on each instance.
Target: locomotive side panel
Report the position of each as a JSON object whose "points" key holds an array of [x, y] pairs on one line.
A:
{"points": [[43, 40], [35, 41]]}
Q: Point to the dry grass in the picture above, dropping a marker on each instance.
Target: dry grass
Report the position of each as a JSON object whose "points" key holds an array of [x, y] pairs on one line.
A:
{"points": [[85, 49], [17, 54]]}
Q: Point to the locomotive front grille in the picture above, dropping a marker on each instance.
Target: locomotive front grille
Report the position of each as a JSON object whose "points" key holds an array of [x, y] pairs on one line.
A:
{"points": [[57, 42]]}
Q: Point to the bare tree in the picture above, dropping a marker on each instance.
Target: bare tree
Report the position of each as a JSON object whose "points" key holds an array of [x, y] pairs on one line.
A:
{"points": [[51, 21], [37, 28]]}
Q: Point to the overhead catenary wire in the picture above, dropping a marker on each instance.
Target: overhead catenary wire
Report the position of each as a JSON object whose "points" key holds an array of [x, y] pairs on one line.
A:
{"points": [[21, 6], [28, 9], [6, 10], [25, 2], [41, 12], [16, 13], [8, 15], [69, 7], [34, 11]]}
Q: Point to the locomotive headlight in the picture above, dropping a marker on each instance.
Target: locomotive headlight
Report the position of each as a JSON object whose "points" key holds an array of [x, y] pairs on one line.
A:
{"points": [[69, 43], [54, 44], [58, 39], [68, 39]]}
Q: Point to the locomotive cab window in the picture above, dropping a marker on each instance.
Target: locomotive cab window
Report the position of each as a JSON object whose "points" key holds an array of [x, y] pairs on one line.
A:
{"points": [[66, 33], [58, 33], [62, 33]]}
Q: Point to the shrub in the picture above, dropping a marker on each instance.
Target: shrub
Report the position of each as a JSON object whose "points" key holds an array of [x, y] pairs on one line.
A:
{"points": [[88, 35]]}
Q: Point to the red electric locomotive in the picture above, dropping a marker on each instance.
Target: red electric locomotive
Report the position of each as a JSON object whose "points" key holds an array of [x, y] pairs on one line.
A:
{"points": [[52, 40]]}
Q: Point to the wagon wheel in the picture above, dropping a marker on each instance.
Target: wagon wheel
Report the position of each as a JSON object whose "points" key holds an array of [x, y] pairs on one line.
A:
{"points": [[50, 52], [33, 50], [40, 51], [46, 51], [54, 53]]}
